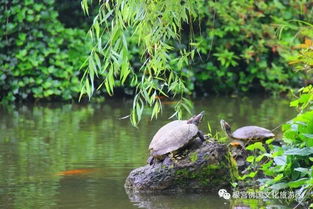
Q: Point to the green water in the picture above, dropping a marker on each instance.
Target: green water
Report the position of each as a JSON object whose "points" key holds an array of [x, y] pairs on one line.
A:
{"points": [[41, 144]]}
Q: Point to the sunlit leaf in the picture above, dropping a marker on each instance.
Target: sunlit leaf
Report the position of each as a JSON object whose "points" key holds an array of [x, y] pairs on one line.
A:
{"points": [[255, 146], [250, 159], [278, 177]]}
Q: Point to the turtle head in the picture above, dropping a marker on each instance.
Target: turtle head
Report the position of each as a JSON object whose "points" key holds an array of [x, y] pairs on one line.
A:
{"points": [[225, 127], [196, 119]]}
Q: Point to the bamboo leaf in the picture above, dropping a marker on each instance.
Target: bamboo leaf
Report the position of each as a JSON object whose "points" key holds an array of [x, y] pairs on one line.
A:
{"points": [[88, 89], [152, 24], [97, 59], [84, 5], [156, 110], [96, 26]]}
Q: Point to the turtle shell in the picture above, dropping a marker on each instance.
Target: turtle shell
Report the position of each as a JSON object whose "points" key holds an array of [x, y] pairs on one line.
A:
{"points": [[171, 137], [252, 133]]}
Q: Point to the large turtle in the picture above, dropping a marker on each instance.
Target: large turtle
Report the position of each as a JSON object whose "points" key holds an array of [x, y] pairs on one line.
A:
{"points": [[174, 136], [246, 133]]}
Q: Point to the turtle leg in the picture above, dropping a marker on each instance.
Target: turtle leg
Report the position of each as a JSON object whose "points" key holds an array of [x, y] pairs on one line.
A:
{"points": [[150, 160], [167, 161], [201, 135]]}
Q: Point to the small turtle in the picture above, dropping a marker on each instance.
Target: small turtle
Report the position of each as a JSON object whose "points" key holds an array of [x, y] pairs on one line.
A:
{"points": [[246, 133], [174, 136]]}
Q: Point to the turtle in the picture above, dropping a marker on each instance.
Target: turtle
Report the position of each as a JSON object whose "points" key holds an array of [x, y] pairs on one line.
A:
{"points": [[173, 136], [246, 133]]}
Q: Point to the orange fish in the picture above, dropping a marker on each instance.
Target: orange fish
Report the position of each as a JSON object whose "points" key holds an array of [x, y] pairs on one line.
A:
{"points": [[75, 172]]}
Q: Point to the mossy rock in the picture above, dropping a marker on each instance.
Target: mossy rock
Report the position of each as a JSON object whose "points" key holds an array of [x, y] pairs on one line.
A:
{"points": [[200, 169]]}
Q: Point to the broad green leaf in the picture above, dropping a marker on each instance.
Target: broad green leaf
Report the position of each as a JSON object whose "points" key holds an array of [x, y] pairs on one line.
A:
{"points": [[250, 159], [259, 158], [298, 183], [303, 170], [269, 141], [299, 151], [278, 177], [256, 146], [280, 160]]}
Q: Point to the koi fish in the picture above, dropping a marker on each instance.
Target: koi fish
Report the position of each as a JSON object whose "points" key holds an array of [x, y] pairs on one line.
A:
{"points": [[75, 172]]}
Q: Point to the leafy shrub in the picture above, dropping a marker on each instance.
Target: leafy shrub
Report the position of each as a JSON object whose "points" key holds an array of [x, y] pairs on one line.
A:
{"points": [[39, 58], [241, 50], [302, 58], [291, 166]]}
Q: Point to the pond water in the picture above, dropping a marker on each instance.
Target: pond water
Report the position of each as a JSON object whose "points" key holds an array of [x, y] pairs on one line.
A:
{"points": [[78, 156]]}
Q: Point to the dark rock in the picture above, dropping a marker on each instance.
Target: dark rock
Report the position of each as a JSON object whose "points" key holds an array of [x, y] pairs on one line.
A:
{"points": [[202, 167]]}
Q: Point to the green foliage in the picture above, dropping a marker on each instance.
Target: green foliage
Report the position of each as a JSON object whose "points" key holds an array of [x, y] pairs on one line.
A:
{"points": [[151, 24], [39, 58], [256, 159], [150, 47], [289, 166], [305, 99], [241, 51], [292, 164], [147, 49]]}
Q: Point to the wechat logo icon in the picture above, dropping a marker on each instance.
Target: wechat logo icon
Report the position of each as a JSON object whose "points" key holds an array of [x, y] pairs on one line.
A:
{"points": [[224, 194]]}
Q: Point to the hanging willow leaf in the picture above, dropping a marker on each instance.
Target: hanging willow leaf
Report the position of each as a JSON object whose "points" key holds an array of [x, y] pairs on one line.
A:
{"points": [[97, 59], [96, 26], [152, 24], [84, 5], [156, 109]]}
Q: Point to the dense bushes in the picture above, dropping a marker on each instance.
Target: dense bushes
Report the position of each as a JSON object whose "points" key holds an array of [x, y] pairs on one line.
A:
{"points": [[39, 58], [291, 165], [240, 48]]}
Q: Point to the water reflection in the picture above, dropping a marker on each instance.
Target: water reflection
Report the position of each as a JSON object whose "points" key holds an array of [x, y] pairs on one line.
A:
{"points": [[173, 201], [195, 201], [37, 142]]}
